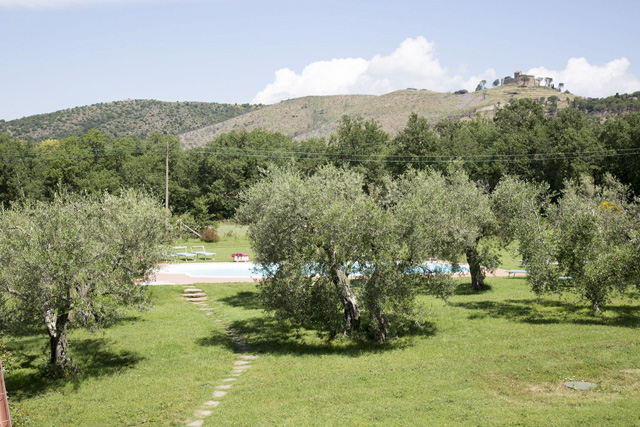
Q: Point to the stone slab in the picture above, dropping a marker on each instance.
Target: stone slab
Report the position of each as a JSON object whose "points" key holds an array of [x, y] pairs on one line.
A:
{"points": [[580, 385], [212, 403], [219, 393]]}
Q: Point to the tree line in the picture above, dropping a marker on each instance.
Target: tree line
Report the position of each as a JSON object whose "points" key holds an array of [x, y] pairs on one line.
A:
{"points": [[205, 181]]}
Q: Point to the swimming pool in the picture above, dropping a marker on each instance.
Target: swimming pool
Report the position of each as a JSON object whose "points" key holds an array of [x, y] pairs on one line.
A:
{"points": [[246, 269], [213, 269]]}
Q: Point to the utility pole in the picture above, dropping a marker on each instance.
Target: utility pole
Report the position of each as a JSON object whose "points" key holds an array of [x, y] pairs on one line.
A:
{"points": [[166, 179], [5, 418]]}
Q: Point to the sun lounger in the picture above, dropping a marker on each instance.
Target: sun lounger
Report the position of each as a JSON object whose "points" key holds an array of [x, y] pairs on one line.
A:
{"points": [[512, 273], [199, 251], [181, 252]]}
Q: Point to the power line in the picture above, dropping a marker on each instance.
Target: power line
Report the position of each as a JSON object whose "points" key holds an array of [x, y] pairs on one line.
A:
{"points": [[343, 156]]}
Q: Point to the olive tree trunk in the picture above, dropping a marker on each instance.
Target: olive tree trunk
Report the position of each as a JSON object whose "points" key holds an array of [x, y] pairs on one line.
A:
{"points": [[349, 300], [477, 275], [57, 329]]}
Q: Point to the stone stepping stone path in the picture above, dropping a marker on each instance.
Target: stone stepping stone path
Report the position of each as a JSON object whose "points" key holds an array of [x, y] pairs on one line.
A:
{"points": [[194, 295], [245, 355]]}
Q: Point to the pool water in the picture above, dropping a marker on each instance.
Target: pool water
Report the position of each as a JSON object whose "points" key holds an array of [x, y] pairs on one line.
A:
{"points": [[247, 269], [213, 269]]}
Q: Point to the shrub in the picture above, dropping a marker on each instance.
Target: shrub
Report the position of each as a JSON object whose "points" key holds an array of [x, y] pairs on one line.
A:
{"points": [[209, 235]]}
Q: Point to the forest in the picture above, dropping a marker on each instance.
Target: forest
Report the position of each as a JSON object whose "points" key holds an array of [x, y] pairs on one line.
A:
{"points": [[204, 182]]}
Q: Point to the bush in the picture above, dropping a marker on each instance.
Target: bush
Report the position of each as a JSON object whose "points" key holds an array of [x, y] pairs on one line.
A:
{"points": [[5, 357], [210, 235]]}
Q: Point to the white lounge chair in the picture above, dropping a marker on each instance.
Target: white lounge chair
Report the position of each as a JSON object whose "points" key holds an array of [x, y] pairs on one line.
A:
{"points": [[181, 252], [512, 273], [168, 257], [199, 251]]}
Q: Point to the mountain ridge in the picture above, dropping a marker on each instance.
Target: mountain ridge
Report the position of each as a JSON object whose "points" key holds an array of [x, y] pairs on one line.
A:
{"points": [[318, 116]]}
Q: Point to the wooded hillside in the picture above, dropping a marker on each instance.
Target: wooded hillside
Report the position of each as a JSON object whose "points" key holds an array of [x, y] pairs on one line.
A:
{"points": [[124, 118]]}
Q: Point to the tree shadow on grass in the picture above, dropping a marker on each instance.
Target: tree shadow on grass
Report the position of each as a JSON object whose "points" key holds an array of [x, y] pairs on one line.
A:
{"points": [[268, 336], [91, 356], [246, 299], [546, 311], [465, 289], [217, 339]]}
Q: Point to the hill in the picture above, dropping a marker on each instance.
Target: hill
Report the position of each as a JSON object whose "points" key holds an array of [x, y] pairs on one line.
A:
{"points": [[317, 116], [124, 118]]}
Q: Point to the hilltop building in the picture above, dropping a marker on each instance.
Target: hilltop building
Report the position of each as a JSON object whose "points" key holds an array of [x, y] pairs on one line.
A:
{"points": [[517, 80]]}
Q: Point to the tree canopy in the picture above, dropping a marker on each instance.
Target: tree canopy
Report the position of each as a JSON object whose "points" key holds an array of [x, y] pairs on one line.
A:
{"points": [[587, 242], [74, 261], [312, 235]]}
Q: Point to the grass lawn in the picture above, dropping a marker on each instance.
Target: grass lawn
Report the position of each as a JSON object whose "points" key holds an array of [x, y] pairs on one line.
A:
{"points": [[499, 357], [150, 369]]}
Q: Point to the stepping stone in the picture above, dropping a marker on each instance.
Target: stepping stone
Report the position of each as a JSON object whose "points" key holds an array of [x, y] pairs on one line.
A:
{"points": [[212, 403], [218, 320], [208, 314], [196, 423], [241, 368], [249, 357], [201, 413], [224, 387], [236, 375], [580, 385], [219, 393], [191, 290], [194, 300], [226, 380], [206, 309], [241, 363]]}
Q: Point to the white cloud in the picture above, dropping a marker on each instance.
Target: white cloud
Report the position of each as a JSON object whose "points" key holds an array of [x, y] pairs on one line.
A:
{"points": [[54, 4], [596, 81], [412, 64]]}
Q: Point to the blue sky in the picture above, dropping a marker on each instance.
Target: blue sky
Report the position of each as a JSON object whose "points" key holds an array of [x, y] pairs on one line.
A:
{"points": [[57, 54]]}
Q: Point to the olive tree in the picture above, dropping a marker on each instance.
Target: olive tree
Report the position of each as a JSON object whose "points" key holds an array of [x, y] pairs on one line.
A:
{"points": [[447, 216], [312, 236], [74, 262], [588, 242]]}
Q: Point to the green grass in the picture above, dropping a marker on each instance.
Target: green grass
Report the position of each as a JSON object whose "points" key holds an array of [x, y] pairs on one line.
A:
{"points": [[498, 357], [495, 358], [150, 369]]}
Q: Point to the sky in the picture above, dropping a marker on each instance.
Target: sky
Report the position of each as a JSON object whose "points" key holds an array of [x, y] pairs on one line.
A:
{"points": [[57, 54]]}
